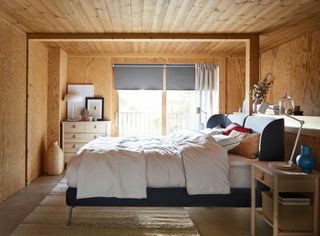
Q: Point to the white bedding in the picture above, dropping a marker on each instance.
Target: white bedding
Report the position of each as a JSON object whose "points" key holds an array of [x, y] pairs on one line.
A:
{"points": [[124, 167]]}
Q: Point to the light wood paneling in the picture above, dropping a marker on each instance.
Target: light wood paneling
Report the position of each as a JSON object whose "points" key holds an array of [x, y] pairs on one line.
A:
{"points": [[96, 71], [278, 20], [235, 83], [295, 66], [56, 86], [37, 108], [12, 109]]}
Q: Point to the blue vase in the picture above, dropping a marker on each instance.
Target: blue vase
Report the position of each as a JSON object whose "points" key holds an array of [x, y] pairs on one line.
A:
{"points": [[305, 160]]}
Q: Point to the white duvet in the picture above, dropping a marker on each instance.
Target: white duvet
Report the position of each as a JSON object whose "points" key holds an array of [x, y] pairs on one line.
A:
{"points": [[125, 167]]}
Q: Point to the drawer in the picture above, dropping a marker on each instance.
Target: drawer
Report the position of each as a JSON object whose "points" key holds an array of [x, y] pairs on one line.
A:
{"points": [[72, 146], [68, 156], [95, 127], [79, 138], [74, 127], [263, 177]]}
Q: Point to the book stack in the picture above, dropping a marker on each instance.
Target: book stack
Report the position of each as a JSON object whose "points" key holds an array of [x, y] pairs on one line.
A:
{"points": [[294, 199]]}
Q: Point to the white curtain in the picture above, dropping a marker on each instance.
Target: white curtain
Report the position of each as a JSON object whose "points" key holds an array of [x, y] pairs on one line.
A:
{"points": [[207, 92]]}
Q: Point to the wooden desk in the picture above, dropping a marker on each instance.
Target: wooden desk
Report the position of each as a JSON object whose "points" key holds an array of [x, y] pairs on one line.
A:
{"points": [[285, 181]]}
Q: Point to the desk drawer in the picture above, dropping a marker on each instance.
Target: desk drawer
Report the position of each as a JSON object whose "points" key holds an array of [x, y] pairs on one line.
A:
{"points": [[95, 127], [80, 138], [74, 127]]}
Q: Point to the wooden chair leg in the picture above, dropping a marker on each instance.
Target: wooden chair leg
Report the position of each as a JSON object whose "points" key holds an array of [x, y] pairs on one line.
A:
{"points": [[69, 221]]}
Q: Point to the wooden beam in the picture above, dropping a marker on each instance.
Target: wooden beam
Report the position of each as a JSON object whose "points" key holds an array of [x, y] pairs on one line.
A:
{"points": [[252, 69], [47, 37], [158, 55]]}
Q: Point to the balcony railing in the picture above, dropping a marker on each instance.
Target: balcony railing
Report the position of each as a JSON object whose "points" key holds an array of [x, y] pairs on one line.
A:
{"points": [[146, 124]]}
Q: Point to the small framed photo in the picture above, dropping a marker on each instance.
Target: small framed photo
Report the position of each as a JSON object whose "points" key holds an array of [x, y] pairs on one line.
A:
{"points": [[95, 106]]}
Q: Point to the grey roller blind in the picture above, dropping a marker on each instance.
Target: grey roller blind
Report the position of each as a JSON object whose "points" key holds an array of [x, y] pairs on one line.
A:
{"points": [[180, 77], [138, 76]]}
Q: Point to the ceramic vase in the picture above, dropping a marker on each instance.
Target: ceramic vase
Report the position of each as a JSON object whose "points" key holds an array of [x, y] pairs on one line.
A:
{"points": [[305, 160], [55, 160]]}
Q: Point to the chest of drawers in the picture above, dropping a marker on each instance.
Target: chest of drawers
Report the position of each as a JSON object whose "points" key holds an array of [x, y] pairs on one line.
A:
{"points": [[77, 134]]}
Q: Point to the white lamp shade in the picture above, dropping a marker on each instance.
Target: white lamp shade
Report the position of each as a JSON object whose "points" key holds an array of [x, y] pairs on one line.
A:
{"points": [[70, 97]]}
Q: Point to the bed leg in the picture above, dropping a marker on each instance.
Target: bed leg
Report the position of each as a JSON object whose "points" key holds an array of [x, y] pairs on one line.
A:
{"points": [[69, 221]]}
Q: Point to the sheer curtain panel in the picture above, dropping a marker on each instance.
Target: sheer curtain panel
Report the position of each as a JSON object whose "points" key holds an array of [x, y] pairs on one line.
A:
{"points": [[207, 92]]}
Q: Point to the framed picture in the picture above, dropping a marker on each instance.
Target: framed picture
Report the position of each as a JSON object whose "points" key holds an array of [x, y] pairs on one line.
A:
{"points": [[95, 107], [83, 90]]}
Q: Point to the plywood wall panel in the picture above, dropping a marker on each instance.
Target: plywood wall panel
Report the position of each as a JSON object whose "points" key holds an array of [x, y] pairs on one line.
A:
{"points": [[295, 66], [96, 71], [37, 108], [57, 67], [235, 83], [63, 85], [12, 109]]}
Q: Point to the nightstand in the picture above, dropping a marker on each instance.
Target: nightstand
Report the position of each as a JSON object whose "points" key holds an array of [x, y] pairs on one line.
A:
{"points": [[286, 219]]}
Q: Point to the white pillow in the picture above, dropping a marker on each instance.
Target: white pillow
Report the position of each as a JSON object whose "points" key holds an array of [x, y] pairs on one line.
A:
{"points": [[226, 141]]}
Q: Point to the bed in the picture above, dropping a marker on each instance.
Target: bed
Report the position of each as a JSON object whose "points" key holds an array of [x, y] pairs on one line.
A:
{"points": [[271, 148]]}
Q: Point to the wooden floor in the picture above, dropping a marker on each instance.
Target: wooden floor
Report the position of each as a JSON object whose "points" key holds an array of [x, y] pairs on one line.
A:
{"points": [[208, 220]]}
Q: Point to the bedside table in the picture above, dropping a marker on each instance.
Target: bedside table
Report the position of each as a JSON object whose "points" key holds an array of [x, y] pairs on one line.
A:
{"points": [[293, 219]]}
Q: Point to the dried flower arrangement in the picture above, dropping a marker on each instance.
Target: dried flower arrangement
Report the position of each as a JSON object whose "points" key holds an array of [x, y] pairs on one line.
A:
{"points": [[260, 90]]}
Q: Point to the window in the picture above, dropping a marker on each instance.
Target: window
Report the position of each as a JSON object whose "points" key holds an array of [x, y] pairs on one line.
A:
{"points": [[139, 112], [180, 110], [155, 99]]}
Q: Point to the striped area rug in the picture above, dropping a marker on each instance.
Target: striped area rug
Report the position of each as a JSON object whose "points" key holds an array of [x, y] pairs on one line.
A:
{"points": [[49, 218]]}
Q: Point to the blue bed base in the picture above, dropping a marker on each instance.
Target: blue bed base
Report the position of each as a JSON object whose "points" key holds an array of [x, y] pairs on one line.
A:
{"points": [[271, 148]]}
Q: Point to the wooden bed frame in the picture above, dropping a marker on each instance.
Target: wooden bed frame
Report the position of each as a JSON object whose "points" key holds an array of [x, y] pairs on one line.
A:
{"points": [[271, 148]]}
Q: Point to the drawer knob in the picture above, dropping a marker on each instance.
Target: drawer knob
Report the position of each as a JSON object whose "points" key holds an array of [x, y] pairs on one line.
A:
{"points": [[74, 126], [74, 136], [95, 136], [95, 126], [73, 146]]}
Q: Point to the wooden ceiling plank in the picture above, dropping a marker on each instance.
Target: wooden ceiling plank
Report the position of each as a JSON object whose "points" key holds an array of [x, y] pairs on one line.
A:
{"points": [[170, 16], [184, 10], [103, 15], [114, 14], [213, 20], [159, 15], [125, 14], [196, 14], [149, 8], [136, 12]]}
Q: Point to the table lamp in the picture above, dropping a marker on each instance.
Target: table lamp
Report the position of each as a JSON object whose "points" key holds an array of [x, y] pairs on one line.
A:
{"points": [[72, 98], [263, 107]]}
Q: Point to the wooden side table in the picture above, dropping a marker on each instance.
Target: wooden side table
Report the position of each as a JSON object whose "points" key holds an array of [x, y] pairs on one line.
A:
{"points": [[275, 214]]}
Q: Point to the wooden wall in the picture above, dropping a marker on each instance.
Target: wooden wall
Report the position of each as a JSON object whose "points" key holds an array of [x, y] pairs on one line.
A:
{"points": [[295, 66], [57, 79], [235, 83], [37, 109], [99, 71], [12, 109], [93, 70]]}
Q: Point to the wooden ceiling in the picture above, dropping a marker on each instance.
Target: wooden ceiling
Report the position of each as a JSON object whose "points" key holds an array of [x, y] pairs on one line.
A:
{"points": [[277, 20]]}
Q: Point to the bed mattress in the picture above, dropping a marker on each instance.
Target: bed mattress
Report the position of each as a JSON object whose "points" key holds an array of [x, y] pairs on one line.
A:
{"points": [[239, 167]]}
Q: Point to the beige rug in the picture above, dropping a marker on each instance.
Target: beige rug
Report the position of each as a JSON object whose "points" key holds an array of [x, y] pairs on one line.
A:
{"points": [[49, 218]]}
